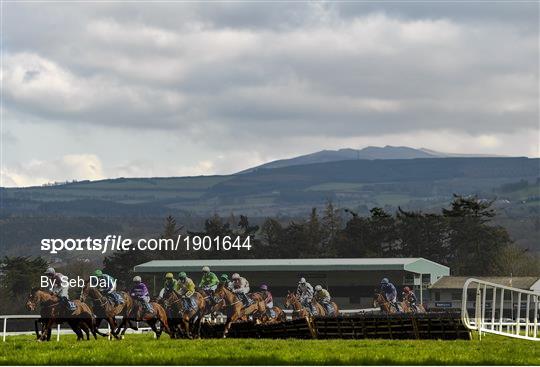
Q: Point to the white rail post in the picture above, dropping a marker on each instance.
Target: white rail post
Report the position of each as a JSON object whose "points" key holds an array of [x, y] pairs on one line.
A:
{"points": [[536, 306], [493, 307], [58, 333], [5, 329], [518, 322], [502, 311]]}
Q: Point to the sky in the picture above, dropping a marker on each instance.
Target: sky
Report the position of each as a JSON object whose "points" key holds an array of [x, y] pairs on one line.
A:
{"points": [[105, 89]]}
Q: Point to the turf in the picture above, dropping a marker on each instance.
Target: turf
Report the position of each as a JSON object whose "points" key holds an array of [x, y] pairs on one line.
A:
{"points": [[144, 350]]}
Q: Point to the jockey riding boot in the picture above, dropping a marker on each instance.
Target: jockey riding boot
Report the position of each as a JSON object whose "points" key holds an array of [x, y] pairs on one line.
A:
{"points": [[193, 303], [148, 307], [313, 309], [327, 307], [272, 312], [186, 302], [245, 299]]}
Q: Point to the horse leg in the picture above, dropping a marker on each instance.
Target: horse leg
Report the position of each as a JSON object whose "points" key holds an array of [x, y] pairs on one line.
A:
{"points": [[112, 327], [98, 323], [76, 328], [38, 334], [152, 323], [84, 327], [230, 320], [46, 331]]}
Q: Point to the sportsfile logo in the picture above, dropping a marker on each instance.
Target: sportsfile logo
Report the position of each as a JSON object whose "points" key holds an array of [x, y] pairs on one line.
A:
{"points": [[113, 243]]}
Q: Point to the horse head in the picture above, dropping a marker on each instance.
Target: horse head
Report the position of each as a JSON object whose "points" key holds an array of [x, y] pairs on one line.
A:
{"points": [[378, 299], [33, 299], [291, 300]]}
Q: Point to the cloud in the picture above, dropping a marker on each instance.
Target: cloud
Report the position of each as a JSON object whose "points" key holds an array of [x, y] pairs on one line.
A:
{"points": [[228, 77], [66, 168]]}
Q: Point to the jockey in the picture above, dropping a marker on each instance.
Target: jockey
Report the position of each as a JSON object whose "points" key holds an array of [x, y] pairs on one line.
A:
{"points": [[240, 287], [140, 293], [224, 279], [60, 289], [390, 292], [186, 289], [209, 280], [268, 300], [110, 288], [169, 285], [323, 297], [410, 297], [304, 292]]}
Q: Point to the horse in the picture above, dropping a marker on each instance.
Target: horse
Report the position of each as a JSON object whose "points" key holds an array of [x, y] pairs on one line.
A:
{"points": [[190, 320], [335, 308], [299, 311], [104, 309], [266, 318], [379, 300], [134, 314], [52, 312], [407, 308], [234, 307]]}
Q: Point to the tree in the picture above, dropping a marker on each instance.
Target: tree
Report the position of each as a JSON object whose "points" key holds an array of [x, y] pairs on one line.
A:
{"points": [[474, 245], [18, 275], [331, 227]]}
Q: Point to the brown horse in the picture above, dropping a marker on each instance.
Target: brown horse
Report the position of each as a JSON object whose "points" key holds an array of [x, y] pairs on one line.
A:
{"points": [[104, 309], [234, 308], [407, 308], [266, 318], [190, 320], [379, 300], [53, 312], [135, 313], [299, 311]]}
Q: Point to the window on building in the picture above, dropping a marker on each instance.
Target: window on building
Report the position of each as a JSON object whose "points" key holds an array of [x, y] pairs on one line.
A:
{"points": [[437, 296]]}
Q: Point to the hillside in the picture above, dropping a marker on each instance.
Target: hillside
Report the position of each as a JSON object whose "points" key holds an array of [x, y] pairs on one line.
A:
{"points": [[138, 205], [286, 190]]}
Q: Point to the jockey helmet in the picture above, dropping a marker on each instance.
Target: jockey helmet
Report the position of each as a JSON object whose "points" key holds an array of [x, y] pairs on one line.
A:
{"points": [[318, 287], [406, 289], [169, 276], [50, 271], [206, 269], [236, 276], [224, 277], [137, 279], [182, 275], [385, 281], [98, 273], [264, 287], [302, 281]]}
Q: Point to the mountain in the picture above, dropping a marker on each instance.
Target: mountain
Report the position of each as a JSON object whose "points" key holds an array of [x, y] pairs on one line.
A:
{"points": [[369, 153]]}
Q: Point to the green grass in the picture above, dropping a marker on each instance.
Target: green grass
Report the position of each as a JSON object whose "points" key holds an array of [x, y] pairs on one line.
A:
{"points": [[144, 350]]}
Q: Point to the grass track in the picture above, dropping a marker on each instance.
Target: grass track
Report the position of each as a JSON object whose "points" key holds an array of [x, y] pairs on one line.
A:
{"points": [[144, 350]]}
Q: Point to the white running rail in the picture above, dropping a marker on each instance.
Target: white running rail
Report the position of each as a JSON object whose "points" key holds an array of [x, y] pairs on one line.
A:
{"points": [[59, 329], [501, 310]]}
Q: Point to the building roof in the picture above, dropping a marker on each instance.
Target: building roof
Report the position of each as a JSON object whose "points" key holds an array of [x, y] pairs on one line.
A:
{"points": [[450, 282], [417, 265]]}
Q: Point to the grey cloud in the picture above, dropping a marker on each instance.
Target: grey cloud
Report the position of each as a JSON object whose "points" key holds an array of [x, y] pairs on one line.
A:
{"points": [[209, 71]]}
